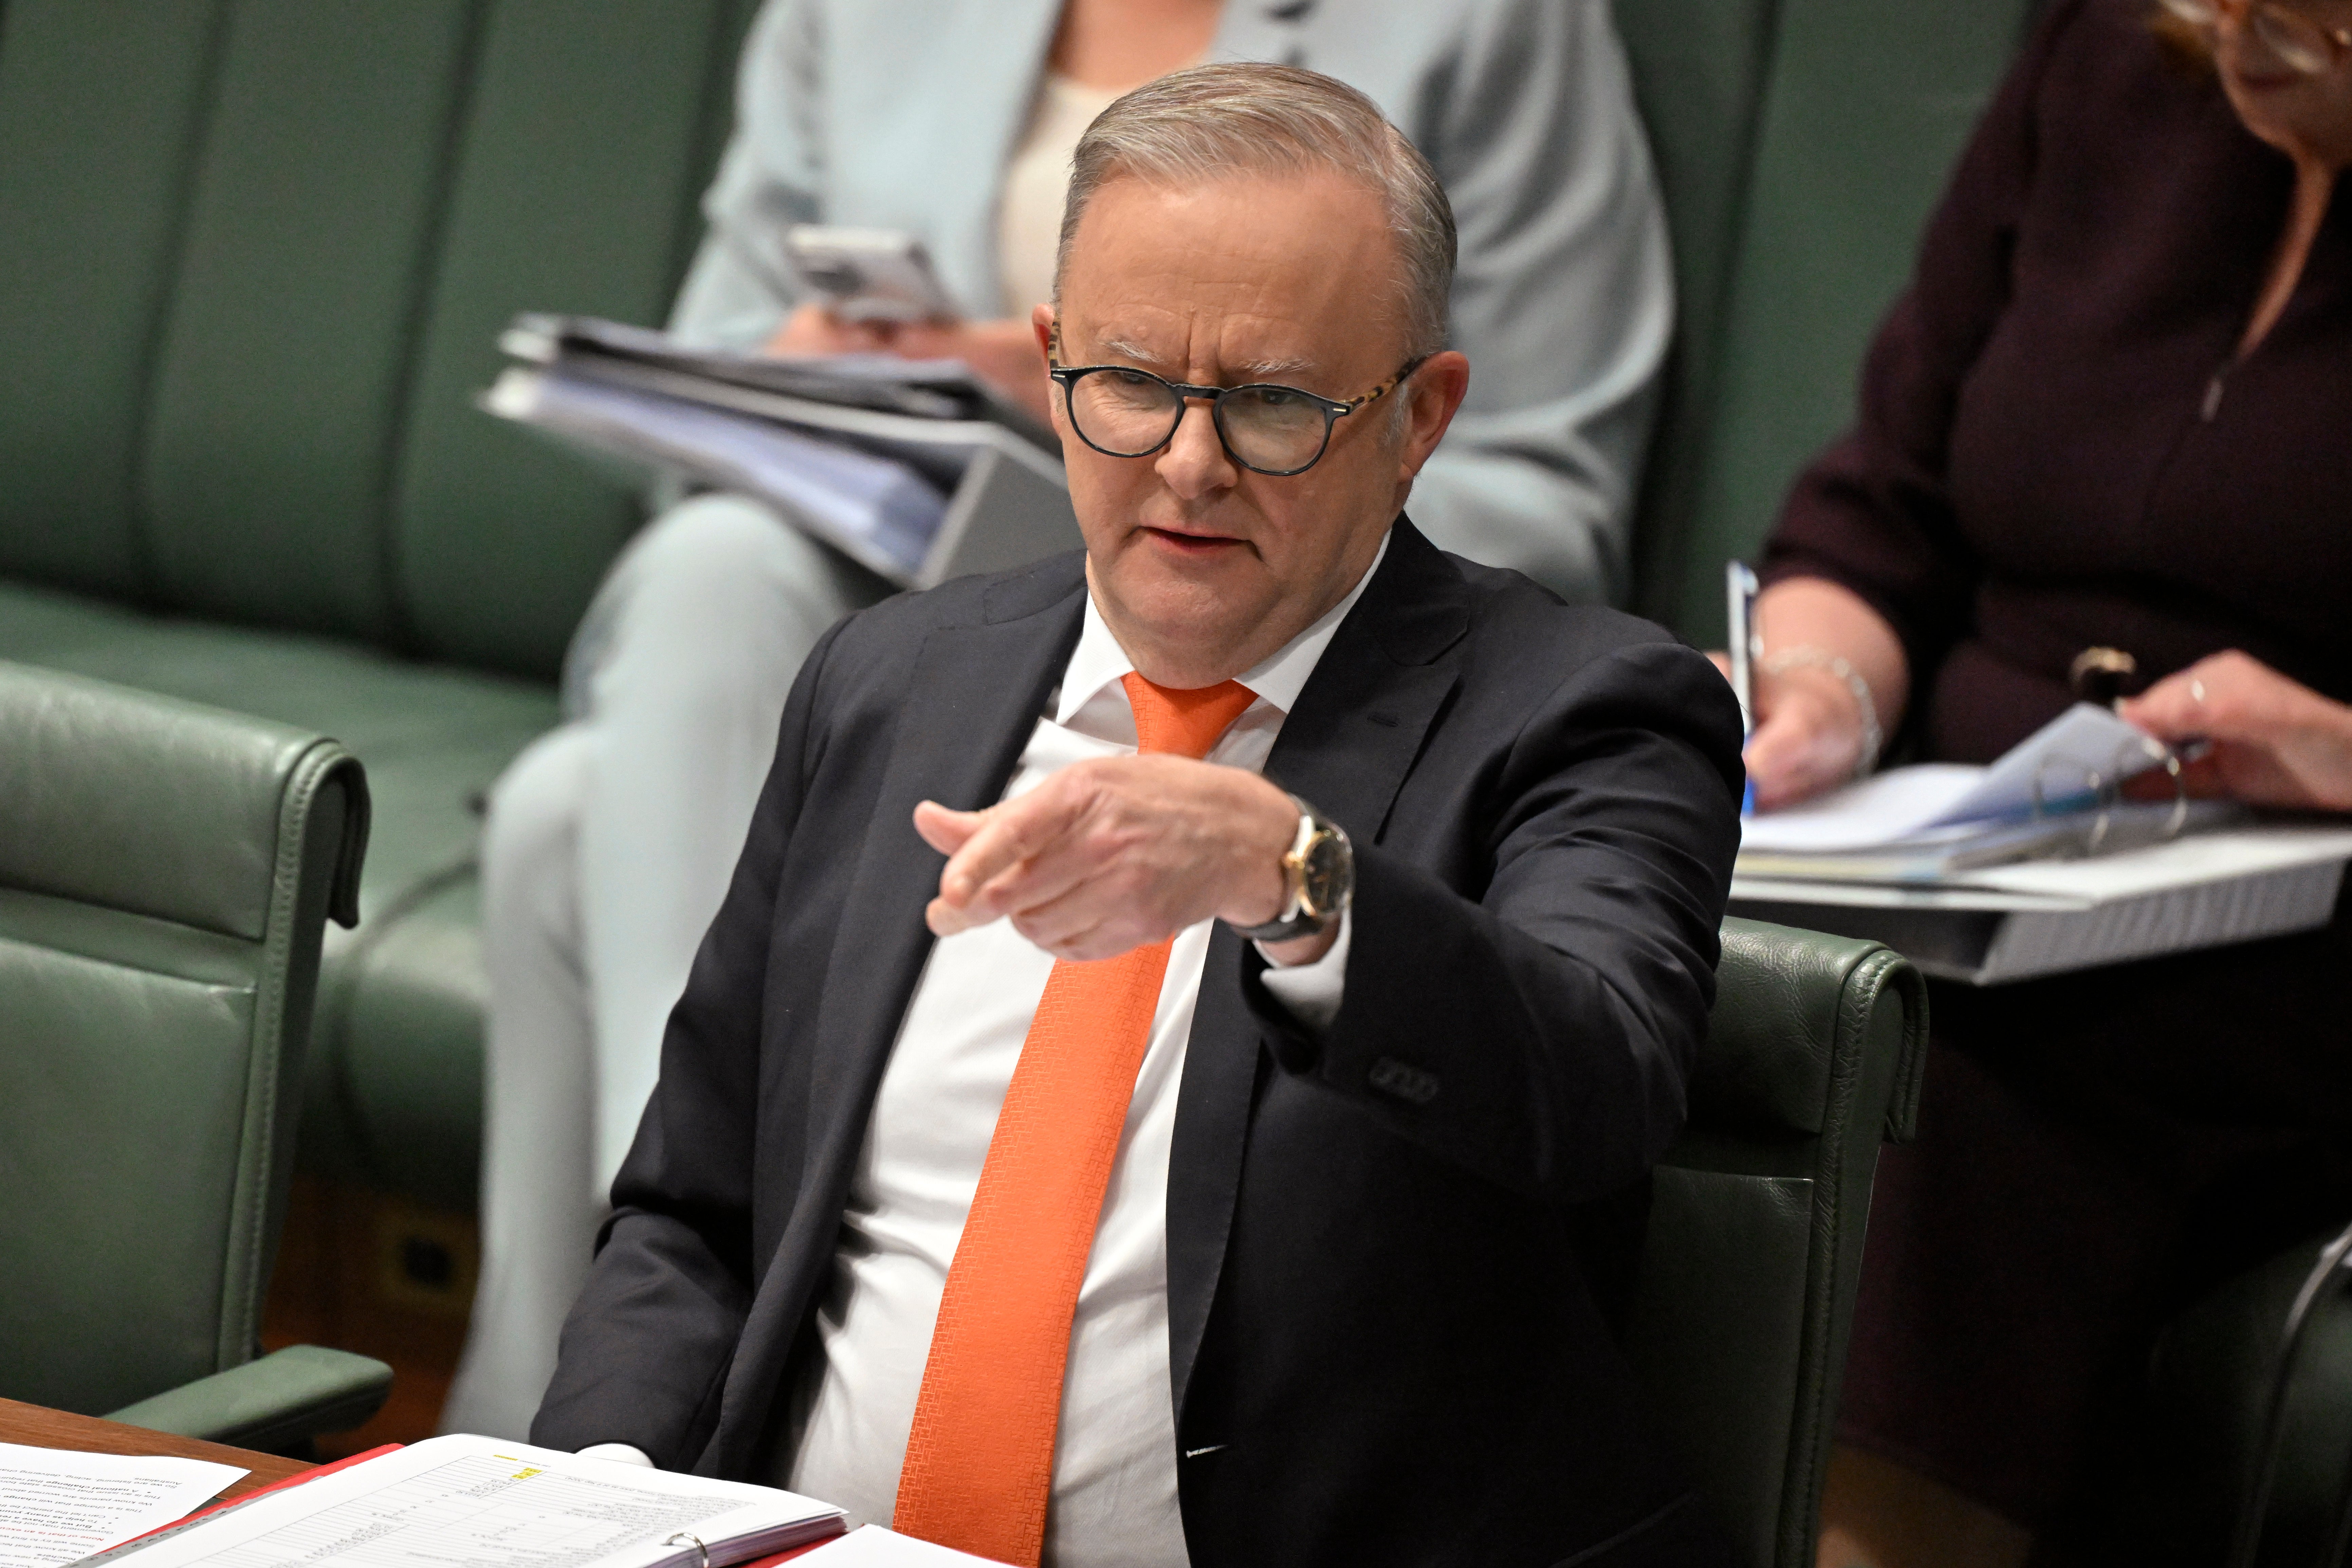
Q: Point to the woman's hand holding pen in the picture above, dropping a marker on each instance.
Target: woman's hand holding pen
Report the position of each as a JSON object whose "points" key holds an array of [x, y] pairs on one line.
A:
{"points": [[1810, 727], [2270, 741], [1808, 735]]}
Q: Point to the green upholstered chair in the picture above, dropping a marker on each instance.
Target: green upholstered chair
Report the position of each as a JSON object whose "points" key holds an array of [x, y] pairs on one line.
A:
{"points": [[165, 874], [1800, 144], [253, 257], [1754, 1249], [2206, 1425]]}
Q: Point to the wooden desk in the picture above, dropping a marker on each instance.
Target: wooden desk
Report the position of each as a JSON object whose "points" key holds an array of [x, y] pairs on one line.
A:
{"points": [[45, 1428]]}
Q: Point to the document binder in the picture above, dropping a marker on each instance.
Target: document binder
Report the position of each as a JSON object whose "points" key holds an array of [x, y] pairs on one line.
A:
{"points": [[2004, 923], [956, 495]]}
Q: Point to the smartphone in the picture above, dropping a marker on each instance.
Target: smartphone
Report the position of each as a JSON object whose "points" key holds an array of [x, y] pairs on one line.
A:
{"points": [[869, 274]]}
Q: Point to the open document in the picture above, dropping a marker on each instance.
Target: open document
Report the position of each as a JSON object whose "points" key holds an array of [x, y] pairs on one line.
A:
{"points": [[2038, 864], [2059, 770], [482, 1502], [58, 1506]]}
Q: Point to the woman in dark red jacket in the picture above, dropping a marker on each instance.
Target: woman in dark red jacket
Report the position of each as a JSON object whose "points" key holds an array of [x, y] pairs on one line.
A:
{"points": [[2113, 410]]}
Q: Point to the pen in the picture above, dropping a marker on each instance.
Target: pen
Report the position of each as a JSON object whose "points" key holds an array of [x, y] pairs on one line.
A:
{"points": [[1739, 612]]}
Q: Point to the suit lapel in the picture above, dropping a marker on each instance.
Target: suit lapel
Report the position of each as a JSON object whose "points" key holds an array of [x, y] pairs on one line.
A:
{"points": [[1345, 748], [970, 707]]}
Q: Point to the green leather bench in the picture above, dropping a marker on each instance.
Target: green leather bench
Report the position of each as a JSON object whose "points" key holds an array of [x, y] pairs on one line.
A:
{"points": [[254, 255], [253, 258]]}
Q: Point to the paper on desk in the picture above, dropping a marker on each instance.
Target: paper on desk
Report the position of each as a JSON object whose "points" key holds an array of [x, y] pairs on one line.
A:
{"points": [[58, 1506], [1942, 798], [874, 1547], [462, 1501]]}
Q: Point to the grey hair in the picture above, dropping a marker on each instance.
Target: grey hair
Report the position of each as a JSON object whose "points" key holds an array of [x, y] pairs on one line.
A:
{"points": [[1207, 122]]}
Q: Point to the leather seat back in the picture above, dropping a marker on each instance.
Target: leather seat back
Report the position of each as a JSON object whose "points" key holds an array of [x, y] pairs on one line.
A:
{"points": [[1800, 144], [254, 257], [1753, 1253], [165, 875]]}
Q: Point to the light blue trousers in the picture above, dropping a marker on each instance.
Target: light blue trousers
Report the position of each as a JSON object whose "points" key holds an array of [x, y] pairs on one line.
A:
{"points": [[608, 845]]}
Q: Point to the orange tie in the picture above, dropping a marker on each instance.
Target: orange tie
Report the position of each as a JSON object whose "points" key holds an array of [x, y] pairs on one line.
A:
{"points": [[980, 1461]]}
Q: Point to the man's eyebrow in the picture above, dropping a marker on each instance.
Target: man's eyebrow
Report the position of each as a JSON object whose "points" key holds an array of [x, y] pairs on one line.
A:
{"points": [[1125, 350], [1256, 369]]}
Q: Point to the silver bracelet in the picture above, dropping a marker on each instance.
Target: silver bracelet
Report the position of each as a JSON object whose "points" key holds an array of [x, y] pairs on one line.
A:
{"points": [[1872, 738]]}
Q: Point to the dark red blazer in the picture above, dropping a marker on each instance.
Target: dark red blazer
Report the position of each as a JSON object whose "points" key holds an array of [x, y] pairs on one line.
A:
{"points": [[2054, 450]]}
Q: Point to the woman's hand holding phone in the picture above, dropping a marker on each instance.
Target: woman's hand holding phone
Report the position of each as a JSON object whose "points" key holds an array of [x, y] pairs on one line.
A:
{"points": [[1003, 354]]}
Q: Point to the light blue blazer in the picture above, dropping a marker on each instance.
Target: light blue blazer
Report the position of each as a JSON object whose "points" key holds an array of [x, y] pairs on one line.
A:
{"points": [[904, 113]]}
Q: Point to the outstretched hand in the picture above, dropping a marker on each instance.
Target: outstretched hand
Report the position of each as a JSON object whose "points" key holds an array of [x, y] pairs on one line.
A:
{"points": [[2273, 740], [1111, 854]]}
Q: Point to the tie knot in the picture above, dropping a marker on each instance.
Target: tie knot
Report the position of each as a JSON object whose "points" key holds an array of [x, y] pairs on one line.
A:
{"points": [[1184, 723]]}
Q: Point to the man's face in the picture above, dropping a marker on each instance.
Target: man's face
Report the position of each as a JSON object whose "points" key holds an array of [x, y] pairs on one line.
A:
{"points": [[1202, 568]]}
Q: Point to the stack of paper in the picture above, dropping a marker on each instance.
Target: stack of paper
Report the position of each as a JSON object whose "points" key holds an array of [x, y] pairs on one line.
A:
{"points": [[1920, 823], [58, 1506], [917, 470], [623, 354], [2031, 867], [482, 1502], [873, 1547]]}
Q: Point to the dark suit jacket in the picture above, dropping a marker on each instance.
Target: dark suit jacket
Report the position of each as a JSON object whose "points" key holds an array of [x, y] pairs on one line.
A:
{"points": [[1385, 1339]]}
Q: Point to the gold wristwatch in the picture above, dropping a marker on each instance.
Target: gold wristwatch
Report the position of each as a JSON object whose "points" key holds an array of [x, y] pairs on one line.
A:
{"points": [[1319, 877]]}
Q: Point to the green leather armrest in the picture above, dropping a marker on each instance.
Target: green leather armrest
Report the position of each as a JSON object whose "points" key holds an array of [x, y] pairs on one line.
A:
{"points": [[299, 1393]]}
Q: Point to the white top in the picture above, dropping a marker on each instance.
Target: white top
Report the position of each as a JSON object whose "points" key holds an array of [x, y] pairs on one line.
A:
{"points": [[1029, 204], [1114, 1498]]}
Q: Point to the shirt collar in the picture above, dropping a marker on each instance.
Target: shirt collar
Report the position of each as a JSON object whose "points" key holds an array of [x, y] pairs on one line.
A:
{"points": [[1098, 660]]}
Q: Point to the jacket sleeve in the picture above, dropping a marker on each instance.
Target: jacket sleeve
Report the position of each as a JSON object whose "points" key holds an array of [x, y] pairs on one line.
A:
{"points": [[1541, 1032], [1873, 513], [1563, 298], [647, 1347], [741, 286]]}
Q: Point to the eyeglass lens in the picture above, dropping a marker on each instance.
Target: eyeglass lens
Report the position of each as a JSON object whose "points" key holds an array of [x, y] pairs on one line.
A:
{"points": [[2300, 43], [1131, 413]]}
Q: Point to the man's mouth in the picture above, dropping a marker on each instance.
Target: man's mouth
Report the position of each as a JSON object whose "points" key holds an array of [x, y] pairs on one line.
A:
{"points": [[1194, 544]]}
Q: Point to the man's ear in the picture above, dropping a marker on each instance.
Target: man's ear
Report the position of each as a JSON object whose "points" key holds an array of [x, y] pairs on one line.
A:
{"points": [[1433, 396], [1042, 322]]}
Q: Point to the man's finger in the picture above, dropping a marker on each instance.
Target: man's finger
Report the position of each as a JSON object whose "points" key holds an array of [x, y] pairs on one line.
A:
{"points": [[1081, 924], [944, 829], [1013, 833]]}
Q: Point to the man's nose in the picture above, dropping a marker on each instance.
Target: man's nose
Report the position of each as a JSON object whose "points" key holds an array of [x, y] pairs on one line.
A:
{"points": [[1195, 463]]}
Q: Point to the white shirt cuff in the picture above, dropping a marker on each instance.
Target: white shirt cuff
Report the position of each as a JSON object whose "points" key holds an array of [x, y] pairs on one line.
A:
{"points": [[1312, 992], [619, 1453]]}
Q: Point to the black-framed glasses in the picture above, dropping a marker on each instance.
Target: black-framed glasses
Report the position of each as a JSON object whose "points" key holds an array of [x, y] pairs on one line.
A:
{"points": [[1123, 412], [2302, 43]]}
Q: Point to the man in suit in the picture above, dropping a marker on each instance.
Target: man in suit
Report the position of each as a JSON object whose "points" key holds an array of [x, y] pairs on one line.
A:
{"points": [[1232, 1151]]}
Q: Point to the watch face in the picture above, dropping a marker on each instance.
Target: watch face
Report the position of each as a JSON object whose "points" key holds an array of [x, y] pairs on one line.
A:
{"points": [[1328, 870]]}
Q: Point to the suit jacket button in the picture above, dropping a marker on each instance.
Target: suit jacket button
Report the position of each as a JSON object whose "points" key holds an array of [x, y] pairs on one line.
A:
{"points": [[1401, 1081]]}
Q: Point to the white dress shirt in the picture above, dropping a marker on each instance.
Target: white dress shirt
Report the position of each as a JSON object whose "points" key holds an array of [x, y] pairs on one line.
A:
{"points": [[1114, 1497]]}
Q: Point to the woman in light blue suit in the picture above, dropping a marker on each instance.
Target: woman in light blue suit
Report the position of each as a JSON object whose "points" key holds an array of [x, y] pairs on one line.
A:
{"points": [[610, 841]]}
